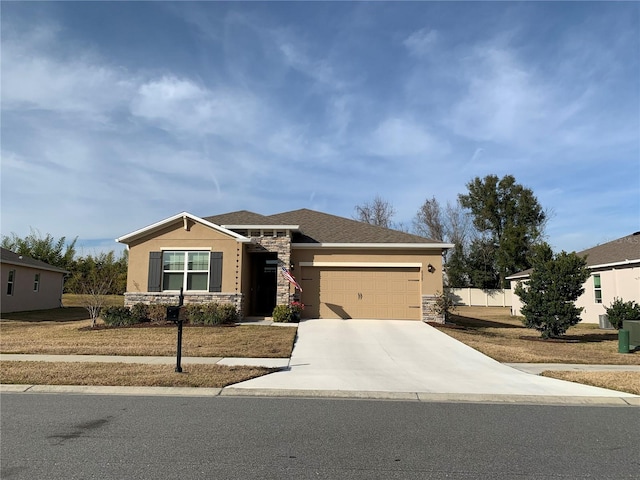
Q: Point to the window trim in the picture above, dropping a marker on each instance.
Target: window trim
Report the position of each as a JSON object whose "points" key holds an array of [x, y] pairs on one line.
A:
{"points": [[185, 271], [36, 282], [597, 289], [11, 282]]}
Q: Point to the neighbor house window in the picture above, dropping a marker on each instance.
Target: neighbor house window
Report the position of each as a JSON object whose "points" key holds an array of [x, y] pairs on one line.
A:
{"points": [[11, 280], [36, 282], [597, 288], [187, 270]]}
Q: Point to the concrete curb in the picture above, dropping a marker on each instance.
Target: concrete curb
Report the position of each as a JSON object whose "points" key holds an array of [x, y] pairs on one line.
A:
{"points": [[333, 394]]}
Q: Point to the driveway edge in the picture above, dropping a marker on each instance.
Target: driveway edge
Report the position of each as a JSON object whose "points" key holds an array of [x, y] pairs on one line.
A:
{"points": [[334, 394]]}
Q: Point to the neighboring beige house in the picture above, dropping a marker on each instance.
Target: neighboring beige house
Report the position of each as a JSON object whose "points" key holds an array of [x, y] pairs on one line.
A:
{"points": [[615, 272], [29, 284], [346, 268]]}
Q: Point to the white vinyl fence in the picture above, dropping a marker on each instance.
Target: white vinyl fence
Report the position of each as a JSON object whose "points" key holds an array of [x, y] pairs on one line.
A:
{"points": [[476, 297]]}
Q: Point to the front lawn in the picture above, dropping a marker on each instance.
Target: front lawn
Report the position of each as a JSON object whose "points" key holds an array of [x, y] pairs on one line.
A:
{"points": [[60, 338], [494, 332], [125, 374]]}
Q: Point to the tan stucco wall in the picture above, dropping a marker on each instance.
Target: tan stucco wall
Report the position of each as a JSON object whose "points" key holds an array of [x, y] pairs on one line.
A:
{"points": [[430, 282], [619, 282], [24, 298], [176, 237]]}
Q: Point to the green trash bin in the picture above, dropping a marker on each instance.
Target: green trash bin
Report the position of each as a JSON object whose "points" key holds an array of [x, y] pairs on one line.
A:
{"points": [[623, 341]]}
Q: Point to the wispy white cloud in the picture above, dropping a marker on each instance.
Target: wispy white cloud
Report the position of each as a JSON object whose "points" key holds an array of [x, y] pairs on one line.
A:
{"points": [[421, 41], [402, 137], [180, 105]]}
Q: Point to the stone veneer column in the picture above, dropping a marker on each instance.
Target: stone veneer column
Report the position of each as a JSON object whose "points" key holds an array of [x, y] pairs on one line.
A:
{"points": [[282, 247], [429, 313]]}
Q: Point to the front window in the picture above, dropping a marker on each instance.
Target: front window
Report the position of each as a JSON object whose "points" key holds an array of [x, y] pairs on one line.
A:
{"points": [[36, 282], [597, 289], [11, 280], [187, 270]]}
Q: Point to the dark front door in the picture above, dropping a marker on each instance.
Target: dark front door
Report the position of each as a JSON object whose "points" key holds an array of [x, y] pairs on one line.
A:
{"points": [[263, 283]]}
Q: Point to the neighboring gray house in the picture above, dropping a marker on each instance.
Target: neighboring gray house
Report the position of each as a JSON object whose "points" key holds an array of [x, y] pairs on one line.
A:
{"points": [[615, 272], [29, 284]]}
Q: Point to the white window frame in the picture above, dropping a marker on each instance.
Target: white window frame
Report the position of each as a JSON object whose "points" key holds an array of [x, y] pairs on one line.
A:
{"points": [[11, 282], [185, 270], [597, 289], [36, 282]]}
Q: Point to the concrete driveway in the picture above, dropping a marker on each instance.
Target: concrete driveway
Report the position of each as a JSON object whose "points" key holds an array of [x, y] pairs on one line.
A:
{"points": [[402, 356]]}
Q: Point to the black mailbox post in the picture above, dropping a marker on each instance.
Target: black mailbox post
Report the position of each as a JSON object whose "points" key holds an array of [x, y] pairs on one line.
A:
{"points": [[173, 314]]}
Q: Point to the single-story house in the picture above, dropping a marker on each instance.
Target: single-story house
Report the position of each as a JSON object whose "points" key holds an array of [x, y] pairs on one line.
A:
{"points": [[345, 268], [29, 284], [615, 272]]}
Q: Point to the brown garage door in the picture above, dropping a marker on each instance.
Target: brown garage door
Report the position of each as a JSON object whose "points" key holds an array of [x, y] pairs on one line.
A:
{"points": [[379, 293]]}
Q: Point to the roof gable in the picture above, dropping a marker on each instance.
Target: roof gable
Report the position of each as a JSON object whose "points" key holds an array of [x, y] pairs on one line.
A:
{"points": [[150, 229]]}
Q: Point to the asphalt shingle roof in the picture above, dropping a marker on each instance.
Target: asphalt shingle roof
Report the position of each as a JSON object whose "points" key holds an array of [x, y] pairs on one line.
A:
{"points": [[319, 227], [7, 256], [619, 250]]}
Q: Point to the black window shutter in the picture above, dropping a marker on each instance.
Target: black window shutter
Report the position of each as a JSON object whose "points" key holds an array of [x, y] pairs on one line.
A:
{"points": [[215, 272], [154, 283]]}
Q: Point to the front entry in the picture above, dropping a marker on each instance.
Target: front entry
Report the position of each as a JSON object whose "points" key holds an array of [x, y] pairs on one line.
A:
{"points": [[263, 283]]}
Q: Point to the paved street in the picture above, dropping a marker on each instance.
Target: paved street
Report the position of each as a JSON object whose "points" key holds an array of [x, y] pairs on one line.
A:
{"points": [[115, 437]]}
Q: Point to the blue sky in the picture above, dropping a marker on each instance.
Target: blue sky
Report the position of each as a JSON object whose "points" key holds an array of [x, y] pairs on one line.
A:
{"points": [[116, 115]]}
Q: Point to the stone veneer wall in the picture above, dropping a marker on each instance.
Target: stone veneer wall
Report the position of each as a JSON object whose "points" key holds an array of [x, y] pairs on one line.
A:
{"points": [[428, 311], [153, 298], [281, 246]]}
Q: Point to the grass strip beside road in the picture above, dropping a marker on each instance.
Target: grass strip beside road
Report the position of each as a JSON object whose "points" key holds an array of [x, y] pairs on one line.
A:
{"points": [[126, 374], [621, 381]]}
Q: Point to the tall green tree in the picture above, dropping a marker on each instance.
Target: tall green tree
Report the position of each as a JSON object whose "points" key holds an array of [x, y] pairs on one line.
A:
{"points": [[510, 217], [97, 276], [91, 269], [549, 296], [58, 253]]}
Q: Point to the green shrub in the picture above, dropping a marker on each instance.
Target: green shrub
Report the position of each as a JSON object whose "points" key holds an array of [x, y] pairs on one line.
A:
{"points": [[211, 313], [620, 311], [117, 316], [228, 314], [444, 304], [193, 314], [140, 312], [282, 314], [158, 312]]}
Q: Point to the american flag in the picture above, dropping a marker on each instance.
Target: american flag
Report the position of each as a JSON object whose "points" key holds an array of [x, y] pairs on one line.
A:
{"points": [[289, 277]]}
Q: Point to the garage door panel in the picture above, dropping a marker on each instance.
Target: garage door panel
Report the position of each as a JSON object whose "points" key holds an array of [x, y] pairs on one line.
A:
{"points": [[392, 293]]}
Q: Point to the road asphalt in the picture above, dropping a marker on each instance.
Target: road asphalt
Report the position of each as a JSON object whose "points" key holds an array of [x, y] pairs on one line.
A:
{"points": [[372, 359]]}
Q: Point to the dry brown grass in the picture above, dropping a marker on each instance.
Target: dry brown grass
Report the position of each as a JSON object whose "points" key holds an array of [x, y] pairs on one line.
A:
{"points": [[71, 311], [621, 381], [72, 300], [124, 374], [60, 338], [493, 331]]}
